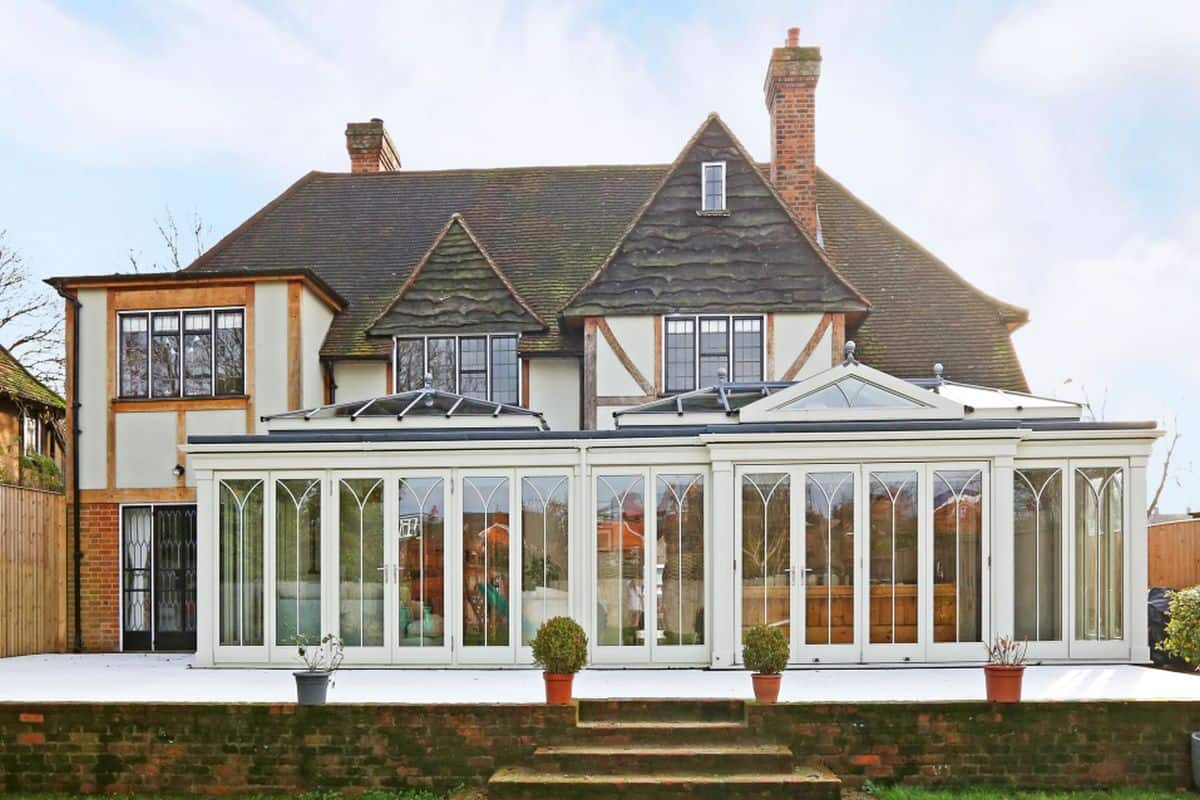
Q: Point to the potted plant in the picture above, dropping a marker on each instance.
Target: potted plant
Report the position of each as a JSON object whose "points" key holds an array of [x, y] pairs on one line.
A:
{"points": [[1005, 667], [1182, 640], [765, 653], [320, 659], [560, 648]]}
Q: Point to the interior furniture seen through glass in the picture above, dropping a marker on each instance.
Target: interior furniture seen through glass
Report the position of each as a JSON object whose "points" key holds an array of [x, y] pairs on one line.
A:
{"points": [[766, 551], [545, 523], [957, 555], [361, 566], [485, 543], [620, 560], [829, 558], [679, 560], [240, 545], [420, 566], [1099, 553], [297, 559], [1037, 544], [893, 557]]}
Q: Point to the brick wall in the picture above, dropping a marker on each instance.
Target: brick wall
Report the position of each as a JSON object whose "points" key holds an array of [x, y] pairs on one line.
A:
{"points": [[99, 528], [217, 749], [1026, 745], [233, 749]]}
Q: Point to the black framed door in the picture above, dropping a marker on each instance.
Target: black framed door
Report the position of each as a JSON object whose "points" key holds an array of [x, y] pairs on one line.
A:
{"points": [[158, 588]]}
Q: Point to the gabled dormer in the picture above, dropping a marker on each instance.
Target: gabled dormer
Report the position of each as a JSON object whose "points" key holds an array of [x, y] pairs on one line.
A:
{"points": [[457, 318]]}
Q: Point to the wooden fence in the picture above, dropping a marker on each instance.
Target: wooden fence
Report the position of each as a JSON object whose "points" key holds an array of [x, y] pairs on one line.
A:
{"points": [[33, 568], [1175, 554]]}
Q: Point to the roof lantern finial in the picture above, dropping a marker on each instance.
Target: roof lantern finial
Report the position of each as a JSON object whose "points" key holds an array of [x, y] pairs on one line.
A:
{"points": [[428, 380], [849, 351], [937, 373], [722, 375]]}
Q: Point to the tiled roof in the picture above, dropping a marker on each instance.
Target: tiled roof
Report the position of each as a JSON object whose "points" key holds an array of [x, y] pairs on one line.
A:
{"points": [[548, 229], [16, 381]]}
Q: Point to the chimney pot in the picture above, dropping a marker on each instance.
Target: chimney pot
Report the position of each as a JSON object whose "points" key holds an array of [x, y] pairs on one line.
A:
{"points": [[793, 37]]}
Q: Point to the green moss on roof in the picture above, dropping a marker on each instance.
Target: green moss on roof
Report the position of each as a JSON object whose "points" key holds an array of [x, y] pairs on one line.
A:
{"points": [[16, 381]]}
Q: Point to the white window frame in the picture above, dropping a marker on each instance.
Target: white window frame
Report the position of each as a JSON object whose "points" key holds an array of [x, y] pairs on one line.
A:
{"points": [[149, 313], [696, 319], [395, 387], [31, 435], [704, 209]]}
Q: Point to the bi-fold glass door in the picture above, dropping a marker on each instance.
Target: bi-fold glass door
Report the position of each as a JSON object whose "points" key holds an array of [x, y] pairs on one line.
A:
{"points": [[874, 562], [649, 566]]}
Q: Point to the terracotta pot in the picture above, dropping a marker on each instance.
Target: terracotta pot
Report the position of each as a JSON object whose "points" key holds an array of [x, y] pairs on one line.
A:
{"points": [[1003, 682], [766, 687], [558, 688]]}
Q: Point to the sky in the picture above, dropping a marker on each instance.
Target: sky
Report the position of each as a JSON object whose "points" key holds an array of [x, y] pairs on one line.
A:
{"points": [[1048, 150]]}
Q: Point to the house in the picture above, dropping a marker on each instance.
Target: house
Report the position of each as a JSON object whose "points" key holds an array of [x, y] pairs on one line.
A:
{"points": [[425, 411], [31, 435]]}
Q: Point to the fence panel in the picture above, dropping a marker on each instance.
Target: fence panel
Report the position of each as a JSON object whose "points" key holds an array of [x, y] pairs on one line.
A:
{"points": [[1175, 554], [33, 585]]}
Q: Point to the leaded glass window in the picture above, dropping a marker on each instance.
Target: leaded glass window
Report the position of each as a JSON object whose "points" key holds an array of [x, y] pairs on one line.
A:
{"points": [[169, 353], [228, 353], [164, 355], [410, 364], [472, 380], [747, 349], [484, 367], [698, 349], [442, 363], [505, 383], [681, 355], [714, 350], [197, 353], [133, 350]]}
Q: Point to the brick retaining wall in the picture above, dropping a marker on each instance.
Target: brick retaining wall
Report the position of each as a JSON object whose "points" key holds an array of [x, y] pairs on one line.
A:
{"points": [[217, 749]]}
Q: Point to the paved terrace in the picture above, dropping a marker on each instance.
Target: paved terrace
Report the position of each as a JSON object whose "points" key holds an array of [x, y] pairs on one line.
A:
{"points": [[169, 678]]}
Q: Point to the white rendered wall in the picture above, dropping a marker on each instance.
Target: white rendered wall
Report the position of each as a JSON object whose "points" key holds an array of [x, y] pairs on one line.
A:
{"points": [[270, 349], [92, 392], [360, 380], [146, 450], [554, 391], [636, 337], [792, 332], [212, 423], [315, 318]]}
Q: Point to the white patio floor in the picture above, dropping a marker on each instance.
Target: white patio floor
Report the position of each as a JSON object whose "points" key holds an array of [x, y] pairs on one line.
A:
{"points": [[169, 678]]}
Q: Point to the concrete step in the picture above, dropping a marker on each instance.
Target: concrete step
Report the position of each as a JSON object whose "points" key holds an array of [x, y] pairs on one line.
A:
{"points": [[662, 711], [715, 759], [805, 783], [663, 733]]}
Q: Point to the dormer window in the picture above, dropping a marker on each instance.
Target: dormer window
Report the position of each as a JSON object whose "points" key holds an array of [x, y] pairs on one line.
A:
{"points": [[712, 186]]}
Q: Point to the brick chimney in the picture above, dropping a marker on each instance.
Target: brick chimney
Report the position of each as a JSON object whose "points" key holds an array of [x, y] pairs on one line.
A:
{"points": [[370, 147], [790, 89]]}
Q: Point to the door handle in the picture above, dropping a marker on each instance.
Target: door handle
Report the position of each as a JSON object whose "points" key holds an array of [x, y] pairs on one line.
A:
{"points": [[386, 570], [791, 571]]}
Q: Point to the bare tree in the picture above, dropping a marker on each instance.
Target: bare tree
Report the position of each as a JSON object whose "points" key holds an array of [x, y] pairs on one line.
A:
{"points": [[1166, 476], [177, 257], [31, 319]]}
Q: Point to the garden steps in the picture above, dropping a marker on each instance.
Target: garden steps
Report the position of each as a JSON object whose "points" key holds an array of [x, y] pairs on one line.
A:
{"points": [[663, 749]]}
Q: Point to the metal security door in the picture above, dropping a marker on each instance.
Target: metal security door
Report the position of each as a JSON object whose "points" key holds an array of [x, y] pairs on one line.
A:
{"points": [[175, 578]]}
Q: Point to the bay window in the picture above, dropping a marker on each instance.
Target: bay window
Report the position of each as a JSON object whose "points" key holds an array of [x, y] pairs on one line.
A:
{"points": [[482, 366], [697, 350], [192, 353]]}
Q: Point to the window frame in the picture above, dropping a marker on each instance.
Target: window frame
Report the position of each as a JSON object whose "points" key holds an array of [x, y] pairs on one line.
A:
{"points": [[31, 444], [724, 207], [180, 312], [458, 371], [730, 322]]}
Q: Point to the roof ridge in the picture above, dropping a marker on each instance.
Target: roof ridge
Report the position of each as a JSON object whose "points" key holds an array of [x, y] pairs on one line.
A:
{"points": [[402, 173], [1019, 314]]}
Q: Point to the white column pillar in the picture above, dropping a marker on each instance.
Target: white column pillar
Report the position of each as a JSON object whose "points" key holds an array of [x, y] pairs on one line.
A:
{"points": [[723, 594], [1003, 562], [206, 570], [1136, 575]]}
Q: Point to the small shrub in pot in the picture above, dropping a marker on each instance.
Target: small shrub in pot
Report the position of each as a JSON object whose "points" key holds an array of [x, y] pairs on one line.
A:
{"points": [[321, 657], [765, 653], [560, 648]]}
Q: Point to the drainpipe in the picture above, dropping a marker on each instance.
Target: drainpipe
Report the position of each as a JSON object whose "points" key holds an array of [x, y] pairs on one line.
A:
{"points": [[75, 431]]}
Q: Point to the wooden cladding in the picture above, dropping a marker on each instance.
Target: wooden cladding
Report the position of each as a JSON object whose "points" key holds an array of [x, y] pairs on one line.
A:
{"points": [[1174, 554], [33, 565]]}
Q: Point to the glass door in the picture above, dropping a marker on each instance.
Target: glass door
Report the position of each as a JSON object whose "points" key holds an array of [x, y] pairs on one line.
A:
{"points": [[545, 552], [959, 608], [894, 525], [622, 567], [363, 567], [419, 591], [678, 600], [831, 559], [1099, 552], [766, 573], [488, 563]]}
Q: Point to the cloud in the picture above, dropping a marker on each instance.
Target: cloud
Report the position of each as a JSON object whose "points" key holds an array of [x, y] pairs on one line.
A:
{"points": [[1061, 46]]}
